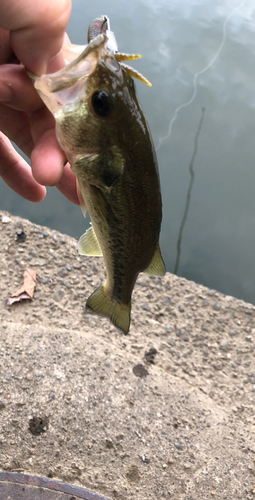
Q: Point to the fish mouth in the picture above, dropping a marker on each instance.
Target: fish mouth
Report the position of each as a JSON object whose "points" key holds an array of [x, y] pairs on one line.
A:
{"points": [[57, 89]]}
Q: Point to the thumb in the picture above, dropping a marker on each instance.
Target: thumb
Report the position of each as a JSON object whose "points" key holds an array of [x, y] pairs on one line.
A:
{"points": [[36, 31]]}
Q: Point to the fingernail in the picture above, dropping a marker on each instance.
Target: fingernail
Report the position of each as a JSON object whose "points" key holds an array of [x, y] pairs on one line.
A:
{"points": [[6, 92]]}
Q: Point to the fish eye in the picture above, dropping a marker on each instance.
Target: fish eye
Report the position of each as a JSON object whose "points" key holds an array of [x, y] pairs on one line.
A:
{"points": [[101, 103]]}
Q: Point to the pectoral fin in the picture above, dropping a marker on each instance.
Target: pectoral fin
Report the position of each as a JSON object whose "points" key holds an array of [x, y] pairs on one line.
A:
{"points": [[88, 244], [103, 169], [157, 266]]}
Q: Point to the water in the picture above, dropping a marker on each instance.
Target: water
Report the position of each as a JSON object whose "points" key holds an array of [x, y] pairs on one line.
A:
{"points": [[207, 174]]}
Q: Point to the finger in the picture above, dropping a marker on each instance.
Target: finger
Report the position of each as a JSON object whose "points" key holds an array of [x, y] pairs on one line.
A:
{"points": [[47, 159], [59, 60], [41, 120], [67, 185], [16, 125], [17, 90], [37, 30], [17, 174], [5, 46]]}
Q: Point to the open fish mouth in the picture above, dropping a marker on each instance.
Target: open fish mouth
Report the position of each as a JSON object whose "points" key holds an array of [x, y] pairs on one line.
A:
{"points": [[81, 62], [58, 89]]}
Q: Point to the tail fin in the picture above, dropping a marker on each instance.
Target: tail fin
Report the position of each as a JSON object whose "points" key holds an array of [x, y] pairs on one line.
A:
{"points": [[119, 314]]}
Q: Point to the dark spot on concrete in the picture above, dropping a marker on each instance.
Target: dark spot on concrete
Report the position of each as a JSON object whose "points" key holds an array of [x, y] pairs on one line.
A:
{"points": [[133, 474], [20, 236], [38, 425], [150, 355], [109, 443], [140, 371]]}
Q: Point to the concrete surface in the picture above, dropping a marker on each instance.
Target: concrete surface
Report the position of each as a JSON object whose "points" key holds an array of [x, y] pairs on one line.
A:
{"points": [[165, 412]]}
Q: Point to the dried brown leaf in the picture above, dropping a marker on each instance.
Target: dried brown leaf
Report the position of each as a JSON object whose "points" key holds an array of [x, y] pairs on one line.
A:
{"points": [[27, 289]]}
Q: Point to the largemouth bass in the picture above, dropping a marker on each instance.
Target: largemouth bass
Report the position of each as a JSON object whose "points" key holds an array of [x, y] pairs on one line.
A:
{"points": [[103, 132]]}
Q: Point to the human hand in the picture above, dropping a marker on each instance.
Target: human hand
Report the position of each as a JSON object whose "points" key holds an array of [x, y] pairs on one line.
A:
{"points": [[31, 36]]}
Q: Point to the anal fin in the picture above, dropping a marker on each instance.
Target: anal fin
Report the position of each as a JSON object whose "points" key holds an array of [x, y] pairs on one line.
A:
{"points": [[100, 303], [157, 266]]}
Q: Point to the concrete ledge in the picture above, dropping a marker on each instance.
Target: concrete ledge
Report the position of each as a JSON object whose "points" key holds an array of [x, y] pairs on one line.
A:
{"points": [[72, 404]]}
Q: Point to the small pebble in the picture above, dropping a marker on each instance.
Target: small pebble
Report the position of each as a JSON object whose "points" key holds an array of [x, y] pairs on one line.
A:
{"points": [[32, 254], [63, 272], [178, 446], [146, 306], [204, 328], [216, 306], [233, 332], [171, 341], [205, 303], [58, 295], [5, 219]]}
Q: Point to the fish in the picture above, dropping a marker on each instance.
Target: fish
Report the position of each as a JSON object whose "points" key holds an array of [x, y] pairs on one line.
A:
{"points": [[102, 130]]}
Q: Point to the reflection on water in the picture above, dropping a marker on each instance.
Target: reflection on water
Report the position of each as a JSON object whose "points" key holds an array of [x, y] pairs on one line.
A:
{"points": [[192, 178], [200, 51], [199, 73]]}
